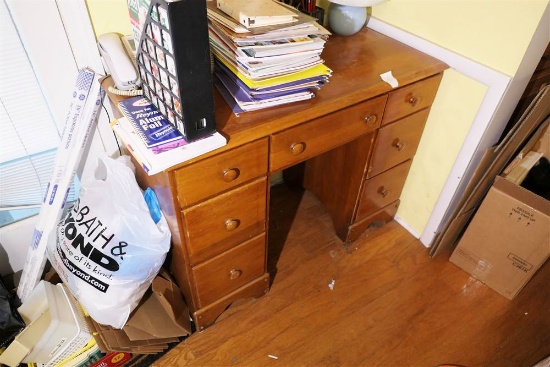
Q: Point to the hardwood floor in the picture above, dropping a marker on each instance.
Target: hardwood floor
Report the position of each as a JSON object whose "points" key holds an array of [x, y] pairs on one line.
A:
{"points": [[391, 305]]}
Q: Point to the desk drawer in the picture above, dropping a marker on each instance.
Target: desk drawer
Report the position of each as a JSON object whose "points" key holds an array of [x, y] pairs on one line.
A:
{"points": [[410, 99], [224, 273], [317, 136], [221, 172], [218, 224], [382, 190], [397, 142]]}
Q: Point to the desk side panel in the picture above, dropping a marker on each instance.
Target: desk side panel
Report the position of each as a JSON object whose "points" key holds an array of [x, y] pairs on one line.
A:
{"points": [[336, 178], [162, 184]]}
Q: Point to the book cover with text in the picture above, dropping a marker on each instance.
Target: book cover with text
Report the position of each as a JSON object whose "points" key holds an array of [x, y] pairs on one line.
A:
{"points": [[156, 132]]}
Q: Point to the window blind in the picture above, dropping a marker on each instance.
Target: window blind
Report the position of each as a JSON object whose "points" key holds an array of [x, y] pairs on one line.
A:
{"points": [[28, 134]]}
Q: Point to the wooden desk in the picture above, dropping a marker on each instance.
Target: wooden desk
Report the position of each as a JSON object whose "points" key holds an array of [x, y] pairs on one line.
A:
{"points": [[357, 138]]}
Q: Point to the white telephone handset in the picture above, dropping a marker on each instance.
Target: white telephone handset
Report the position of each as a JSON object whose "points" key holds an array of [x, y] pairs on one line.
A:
{"points": [[118, 62]]}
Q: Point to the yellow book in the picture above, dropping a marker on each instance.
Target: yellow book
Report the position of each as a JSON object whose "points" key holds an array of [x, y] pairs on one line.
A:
{"points": [[317, 70], [80, 355]]}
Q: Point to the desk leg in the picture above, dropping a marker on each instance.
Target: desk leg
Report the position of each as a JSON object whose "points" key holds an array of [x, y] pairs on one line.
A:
{"points": [[206, 316], [374, 220]]}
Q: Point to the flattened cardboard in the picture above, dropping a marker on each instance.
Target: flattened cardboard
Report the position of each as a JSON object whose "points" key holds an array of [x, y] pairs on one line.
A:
{"points": [[508, 239], [466, 206], [539, 142], [161, 314], [530, 120], [114, 340], [161, 317]]}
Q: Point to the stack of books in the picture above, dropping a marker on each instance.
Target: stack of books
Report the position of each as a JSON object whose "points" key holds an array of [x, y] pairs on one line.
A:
{"points": [[153, 141], [265, 60]]}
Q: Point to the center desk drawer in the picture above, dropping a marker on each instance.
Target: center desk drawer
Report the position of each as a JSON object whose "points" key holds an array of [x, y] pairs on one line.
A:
{"points": [[216, 225], [222, 172], [224, 273], [320, 135]]}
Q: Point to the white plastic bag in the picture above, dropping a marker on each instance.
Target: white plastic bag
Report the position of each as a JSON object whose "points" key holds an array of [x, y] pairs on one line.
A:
{"points": [[108, 248]]}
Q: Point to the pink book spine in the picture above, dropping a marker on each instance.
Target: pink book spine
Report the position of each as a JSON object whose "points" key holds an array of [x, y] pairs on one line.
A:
{"points": [[168, 146]]}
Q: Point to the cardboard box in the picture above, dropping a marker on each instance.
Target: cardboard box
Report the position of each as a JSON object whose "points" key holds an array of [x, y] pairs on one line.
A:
{"points": [[491, 165], [162, 313], [508, 239], [160, 319]]}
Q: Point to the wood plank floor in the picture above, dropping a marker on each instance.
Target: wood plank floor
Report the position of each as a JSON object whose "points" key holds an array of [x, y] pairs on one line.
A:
{"points": [[391, 305]]}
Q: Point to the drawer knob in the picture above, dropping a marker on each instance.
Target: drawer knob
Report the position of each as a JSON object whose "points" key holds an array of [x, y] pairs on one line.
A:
{"points": [[383, 191], [297, 148], [235, 273], [232, 224], [231, 174], [413, 101], [371, 119], [399, 145]]}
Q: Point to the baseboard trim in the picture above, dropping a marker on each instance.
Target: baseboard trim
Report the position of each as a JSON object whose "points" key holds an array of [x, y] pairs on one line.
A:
{"points": [[406, 225]]}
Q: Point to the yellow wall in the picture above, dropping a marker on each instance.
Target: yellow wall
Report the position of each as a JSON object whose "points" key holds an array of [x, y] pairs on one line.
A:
{"points": [[453, 111], [495, 33], [109, 16]]}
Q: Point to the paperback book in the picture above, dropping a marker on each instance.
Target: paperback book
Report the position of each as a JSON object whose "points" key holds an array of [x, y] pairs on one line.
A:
{"points": [[154, 163], [156, 132], [256, 13], [217, 15]]}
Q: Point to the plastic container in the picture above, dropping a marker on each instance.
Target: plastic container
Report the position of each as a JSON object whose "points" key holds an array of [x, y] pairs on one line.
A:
{"points": [[55, 328]]}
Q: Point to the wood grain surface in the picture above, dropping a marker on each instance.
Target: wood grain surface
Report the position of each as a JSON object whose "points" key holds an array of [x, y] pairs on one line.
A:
{"points": [[391, 305]]}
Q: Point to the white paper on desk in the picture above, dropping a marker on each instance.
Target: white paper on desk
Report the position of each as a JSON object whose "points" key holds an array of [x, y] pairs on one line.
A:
{"points": [[390, 79]]}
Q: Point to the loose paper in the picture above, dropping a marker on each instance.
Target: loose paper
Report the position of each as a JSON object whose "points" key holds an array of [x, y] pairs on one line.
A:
{"points": [[389, 78]]}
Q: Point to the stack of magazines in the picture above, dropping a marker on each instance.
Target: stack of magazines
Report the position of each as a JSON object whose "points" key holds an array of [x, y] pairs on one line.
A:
{"points": [[265, 66]]}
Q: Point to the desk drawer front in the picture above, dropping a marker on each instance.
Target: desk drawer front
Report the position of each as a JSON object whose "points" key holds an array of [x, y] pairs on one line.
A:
{"points": [[382, 190], [221, 172], [320, 135], [230, 270], [218, 224], [397, 142], [410, 99]]}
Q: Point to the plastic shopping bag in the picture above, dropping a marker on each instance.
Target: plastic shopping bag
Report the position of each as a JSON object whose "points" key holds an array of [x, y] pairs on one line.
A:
{"points": [[108, 248]]}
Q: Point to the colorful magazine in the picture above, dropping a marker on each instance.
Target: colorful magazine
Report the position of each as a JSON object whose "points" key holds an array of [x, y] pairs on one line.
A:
{"points": [[239, 102], [156, 132], [313, 83]]}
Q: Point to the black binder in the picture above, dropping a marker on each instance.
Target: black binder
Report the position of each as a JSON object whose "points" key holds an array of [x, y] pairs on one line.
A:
{"points": [[174, 64]]}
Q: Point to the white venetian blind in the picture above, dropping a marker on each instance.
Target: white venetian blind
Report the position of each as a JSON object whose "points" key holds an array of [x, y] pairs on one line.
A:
{"points": [[28, 133]]}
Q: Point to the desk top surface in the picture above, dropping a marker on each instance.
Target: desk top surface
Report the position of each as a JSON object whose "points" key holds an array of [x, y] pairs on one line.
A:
{"points": [[357, 62]]}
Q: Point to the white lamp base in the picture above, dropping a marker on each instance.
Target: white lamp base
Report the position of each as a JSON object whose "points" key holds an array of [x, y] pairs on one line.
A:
{"points": [[346, 20]]}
